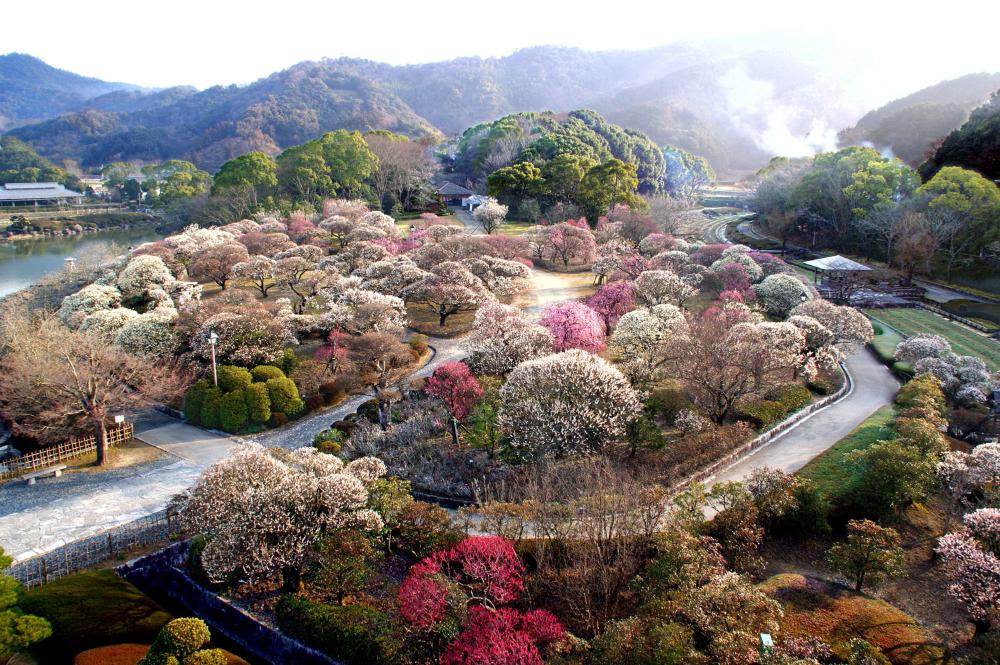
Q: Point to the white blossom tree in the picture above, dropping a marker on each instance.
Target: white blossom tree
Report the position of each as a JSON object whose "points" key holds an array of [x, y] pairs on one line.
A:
{"points": [[264, 511], [645, 339], [259, 271], [502, 337], [781, 293], [663, 287], [566, 403], [490, 215]]}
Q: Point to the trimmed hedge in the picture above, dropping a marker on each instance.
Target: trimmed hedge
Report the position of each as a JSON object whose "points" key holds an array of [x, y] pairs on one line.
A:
{"points": [[779, 402], [194, 398], [266, 372], [329, 441], [356, 633], [258, 403], [285, 396], [232, 378], [233, 412], [287, 362], [210, 408]]}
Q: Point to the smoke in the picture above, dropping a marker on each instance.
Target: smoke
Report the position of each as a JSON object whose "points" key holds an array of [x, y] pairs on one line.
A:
{"points": [[885, 152], [776, 127]]}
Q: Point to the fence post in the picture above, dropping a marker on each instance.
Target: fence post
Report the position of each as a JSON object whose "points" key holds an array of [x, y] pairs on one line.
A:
{"points": [[45, 571]]}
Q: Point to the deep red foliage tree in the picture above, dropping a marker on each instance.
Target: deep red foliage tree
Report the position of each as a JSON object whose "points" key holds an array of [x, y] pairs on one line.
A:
{"points": [[503, 637], [458, 389]]}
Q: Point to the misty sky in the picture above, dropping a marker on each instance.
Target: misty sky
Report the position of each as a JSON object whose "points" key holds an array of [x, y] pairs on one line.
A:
{"points": [[208, 42]]}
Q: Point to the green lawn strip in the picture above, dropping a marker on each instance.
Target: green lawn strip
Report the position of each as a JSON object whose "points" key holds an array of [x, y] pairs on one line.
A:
{"points": [[829, 471], [92, 609], [884, 344], [510, 228], [963, 340]]}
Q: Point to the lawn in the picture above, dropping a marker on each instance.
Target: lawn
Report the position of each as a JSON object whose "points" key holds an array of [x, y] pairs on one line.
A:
{"points": [[511, 228], [963, 341], [92, 609], [816, 609], [829, 470], [885, 342]]}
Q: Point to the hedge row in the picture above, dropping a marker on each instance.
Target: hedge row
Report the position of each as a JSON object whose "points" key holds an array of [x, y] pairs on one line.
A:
{"points": [[777, 403], [242, 398]]}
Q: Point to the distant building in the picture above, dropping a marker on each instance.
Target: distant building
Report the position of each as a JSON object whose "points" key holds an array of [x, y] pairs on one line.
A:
{"points": [[94, 183], [453, 194], [37, 194], [472, 202]]}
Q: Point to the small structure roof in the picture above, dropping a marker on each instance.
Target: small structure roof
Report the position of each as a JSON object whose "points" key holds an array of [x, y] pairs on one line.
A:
{"points": [[835, 263], [27, 191], [453, 190]]}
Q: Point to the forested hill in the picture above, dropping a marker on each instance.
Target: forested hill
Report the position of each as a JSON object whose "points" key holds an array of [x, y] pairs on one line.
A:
{"points": [[32, 90], [911, 125], [975, 145]]}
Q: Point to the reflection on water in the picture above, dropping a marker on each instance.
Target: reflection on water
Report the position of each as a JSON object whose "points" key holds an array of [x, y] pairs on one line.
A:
{"points": [[24, 262]]}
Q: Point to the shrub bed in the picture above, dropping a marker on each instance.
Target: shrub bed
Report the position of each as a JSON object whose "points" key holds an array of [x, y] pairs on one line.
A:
{"points": [[356, 633]]}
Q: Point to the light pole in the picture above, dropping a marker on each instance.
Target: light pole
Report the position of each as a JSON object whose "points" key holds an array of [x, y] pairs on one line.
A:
{"points": [[212, 339]]}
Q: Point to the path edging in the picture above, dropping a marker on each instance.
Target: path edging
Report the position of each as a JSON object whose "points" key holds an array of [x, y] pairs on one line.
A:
{"points": [[764, 439]]}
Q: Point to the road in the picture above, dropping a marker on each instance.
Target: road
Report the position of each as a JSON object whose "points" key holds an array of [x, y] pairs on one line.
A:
{"points": [[874, 387]]}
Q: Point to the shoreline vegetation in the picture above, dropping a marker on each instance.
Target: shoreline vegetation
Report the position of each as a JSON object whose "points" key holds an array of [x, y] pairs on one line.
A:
{"points": [[21, 228]]}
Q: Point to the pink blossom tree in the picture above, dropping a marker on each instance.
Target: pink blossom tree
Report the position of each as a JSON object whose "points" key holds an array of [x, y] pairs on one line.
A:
{"points": [[458, 389], [505, 636], [574, 326], [973, 567], [568, 243], [611, 302]]}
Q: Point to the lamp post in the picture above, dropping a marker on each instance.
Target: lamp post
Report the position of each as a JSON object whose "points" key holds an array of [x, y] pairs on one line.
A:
{"points": [[212, 339]]}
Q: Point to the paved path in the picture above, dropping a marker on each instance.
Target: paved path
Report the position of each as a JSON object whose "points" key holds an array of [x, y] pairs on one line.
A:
{"points": [[874, 387], [38, 518]]}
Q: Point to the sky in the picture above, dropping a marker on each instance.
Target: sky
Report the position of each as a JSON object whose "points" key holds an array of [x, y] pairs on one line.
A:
{"points": [[208, 42]]}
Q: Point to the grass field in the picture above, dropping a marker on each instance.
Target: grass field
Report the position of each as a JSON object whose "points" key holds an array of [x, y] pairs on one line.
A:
{"points": [[885, 342], [828, 470], [963, 341]]}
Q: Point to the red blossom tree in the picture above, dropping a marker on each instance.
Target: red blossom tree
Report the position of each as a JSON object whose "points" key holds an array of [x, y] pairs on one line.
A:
{"points": [[574, 326], [488, 573], [611, 302], [458, 389], [503, 637], [734, 277]]}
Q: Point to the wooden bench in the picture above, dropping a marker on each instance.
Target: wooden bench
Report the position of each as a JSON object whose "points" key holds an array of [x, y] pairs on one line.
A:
{"points": [[55, 471]]}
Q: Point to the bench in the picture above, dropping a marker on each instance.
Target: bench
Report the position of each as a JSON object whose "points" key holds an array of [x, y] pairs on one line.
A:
{"points": [[55, 471]]}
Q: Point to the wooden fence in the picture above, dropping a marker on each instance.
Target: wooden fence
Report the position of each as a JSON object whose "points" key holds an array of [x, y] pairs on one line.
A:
{"points": [[90, 551], [18, 466]]}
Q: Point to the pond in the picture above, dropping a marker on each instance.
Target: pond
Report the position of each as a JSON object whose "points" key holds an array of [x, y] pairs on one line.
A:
{"points": [[24, 262]]}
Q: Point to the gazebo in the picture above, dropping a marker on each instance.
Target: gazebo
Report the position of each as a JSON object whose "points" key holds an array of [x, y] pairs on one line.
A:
{"points": [[453, 194], [834, 266]]}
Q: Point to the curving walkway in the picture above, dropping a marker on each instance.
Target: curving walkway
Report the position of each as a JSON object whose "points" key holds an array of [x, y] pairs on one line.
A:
{"points": [[874, 387]]}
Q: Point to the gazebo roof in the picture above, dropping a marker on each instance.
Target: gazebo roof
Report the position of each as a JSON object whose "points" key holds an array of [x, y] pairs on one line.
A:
{"points": [[451, 189], [835, 263]]}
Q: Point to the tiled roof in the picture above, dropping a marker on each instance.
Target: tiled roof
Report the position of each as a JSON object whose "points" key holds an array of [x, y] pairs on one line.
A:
{"points": [[27, 191]]}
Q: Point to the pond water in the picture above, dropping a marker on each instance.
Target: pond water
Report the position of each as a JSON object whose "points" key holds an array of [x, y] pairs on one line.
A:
{"points": [[24, 262]]}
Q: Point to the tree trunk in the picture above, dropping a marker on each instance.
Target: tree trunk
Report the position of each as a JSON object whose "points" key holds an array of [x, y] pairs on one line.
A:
{"points": [[454, 430], [441, 319], [291, 579], [101, 436]]}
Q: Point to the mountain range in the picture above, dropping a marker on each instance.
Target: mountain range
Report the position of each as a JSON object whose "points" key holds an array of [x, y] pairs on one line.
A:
{"points": [[735, 105]]}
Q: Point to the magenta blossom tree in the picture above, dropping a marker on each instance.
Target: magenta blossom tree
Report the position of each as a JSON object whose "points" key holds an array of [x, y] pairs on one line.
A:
{"points": [[574, 326], [458, 389], [611, 302]]}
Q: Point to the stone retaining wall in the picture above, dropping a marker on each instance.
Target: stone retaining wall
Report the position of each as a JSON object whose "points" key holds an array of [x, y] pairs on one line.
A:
{"points": [[163, 574], [762, 440]]}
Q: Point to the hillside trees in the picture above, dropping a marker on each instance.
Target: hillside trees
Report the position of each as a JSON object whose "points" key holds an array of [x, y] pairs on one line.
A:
{"points": [[336, 164], [254, 174]]}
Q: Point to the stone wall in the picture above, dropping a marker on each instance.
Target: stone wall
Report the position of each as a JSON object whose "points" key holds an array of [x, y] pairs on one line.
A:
{"points": [[163, 574]]}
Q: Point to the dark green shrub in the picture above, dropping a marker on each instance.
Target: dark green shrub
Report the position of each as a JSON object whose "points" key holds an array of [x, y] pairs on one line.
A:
{"points": [[194, 398], [760, 412], [810, 514], [210, 406], [277, 419], [369, 410], [284, 396], [903, 370], [637, 641], [356, 633], [287, 362], [791, 396], [329, 441], [232, 378], [346, 426], [266, 372], [826, 383], [258, 403], [423, 528], [233, 412], [665, 403]]}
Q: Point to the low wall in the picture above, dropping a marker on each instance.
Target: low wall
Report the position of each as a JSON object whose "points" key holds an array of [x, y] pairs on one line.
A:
{"points": [[163, 574], [767, 437]]}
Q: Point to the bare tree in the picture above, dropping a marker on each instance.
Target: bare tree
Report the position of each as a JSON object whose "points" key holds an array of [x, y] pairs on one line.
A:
{"points": [[67, 382], [378, 359]]}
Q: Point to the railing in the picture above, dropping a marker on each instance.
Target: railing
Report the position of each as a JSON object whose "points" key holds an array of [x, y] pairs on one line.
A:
{"points": [[86, 552], [954, 317], [18, 466]]}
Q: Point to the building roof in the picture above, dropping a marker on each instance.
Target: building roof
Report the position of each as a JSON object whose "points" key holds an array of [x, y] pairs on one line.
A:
{"points": [[451, 189], [29, 191], [837, 262]]}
